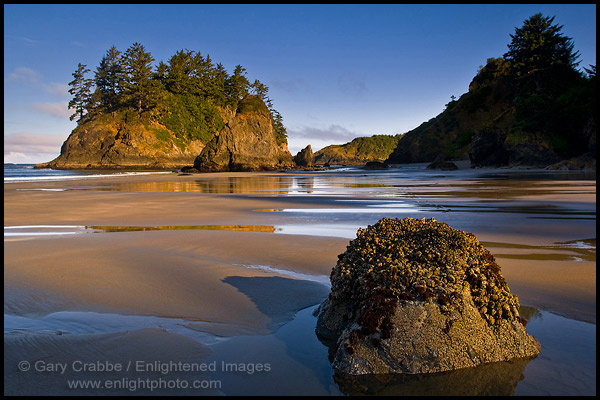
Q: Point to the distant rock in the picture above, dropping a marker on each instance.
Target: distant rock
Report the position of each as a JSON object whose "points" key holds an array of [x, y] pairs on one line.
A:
{"points": [[246, 143], [585, 162], [441, 164], [189, 170], [491, 149], [375, 165], [358, 151], [417, 297], [487, 149], [305, 157], [530, 154]]}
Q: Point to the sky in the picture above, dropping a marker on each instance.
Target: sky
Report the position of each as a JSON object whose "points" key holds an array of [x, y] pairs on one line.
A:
{"points": [[334, 72]]}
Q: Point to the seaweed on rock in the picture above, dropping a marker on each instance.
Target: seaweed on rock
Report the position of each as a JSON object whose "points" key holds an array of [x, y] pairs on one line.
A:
{"points": [[398, 260]]}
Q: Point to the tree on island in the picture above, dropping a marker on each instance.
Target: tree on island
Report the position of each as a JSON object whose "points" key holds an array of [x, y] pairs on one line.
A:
{"points": [[109, 79], [183, 94], [138, 88], [82, 92], [237, 85]]}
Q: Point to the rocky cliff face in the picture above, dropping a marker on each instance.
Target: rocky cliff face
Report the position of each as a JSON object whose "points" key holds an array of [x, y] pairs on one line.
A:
{"points": [[247, 143], [506, 121], [305, 157], [123, 142], [449, 135]]}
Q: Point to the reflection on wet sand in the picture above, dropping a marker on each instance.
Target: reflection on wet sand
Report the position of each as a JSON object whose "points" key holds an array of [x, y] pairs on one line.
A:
{"points": [[528, 313], [511, 192], [506, 189], [547, 211], [573, 250], [221, 185], [242, 228], [276, 185], [495, 379], [272, 185]]}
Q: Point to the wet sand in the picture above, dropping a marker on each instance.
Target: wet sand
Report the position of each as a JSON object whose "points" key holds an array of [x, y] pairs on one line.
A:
{"points": [[232, 283]]}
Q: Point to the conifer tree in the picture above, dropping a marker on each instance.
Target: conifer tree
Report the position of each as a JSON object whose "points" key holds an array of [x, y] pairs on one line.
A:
{"points": [[236, 86], [260, 89], [280, 131], [81, 90], [218, 85], [109, 78], [199, 74], [179, 71], [139, 88], [539, 45], [160, 74]]}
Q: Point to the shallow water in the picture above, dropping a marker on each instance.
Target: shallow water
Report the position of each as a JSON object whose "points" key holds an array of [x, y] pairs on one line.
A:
{"points": [[300, 365], [295, 362], [16, 173], [522, 204], [78, 322]]}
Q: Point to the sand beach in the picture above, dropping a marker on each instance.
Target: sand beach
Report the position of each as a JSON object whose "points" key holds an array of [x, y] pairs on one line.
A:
{"points": [[189, 270]]}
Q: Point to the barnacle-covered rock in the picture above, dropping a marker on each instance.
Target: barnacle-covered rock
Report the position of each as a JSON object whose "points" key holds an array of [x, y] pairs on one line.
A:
{"points": [[416, 296]]}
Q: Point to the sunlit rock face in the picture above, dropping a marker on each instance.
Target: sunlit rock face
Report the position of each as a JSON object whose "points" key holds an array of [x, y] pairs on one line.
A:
{"points": [[122, 142], [246, 143], [416, 296], [305, 157]]}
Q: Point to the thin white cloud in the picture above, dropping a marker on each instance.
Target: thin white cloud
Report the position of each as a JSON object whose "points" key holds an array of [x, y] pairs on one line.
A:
{"points": [[28, 158], [57, 89], [24, 75], [26, 143], [60, 110], [23, 39], [334, 133], [16, 158], [28, 40], [318, 137]]}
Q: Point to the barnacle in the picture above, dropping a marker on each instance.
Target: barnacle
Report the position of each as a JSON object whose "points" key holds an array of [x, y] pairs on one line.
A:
{"points": [[407, 259]]}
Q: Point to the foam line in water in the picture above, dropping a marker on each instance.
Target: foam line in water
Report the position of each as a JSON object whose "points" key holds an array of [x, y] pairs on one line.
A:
{"points": [[79, 322]]}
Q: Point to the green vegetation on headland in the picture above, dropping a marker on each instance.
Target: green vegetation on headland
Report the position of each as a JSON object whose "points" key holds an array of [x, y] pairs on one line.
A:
{"points": [[530, 107], [359, 151]]}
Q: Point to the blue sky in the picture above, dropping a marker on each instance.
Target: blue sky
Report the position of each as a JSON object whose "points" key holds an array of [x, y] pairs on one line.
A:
{"points": [[334, 72]]}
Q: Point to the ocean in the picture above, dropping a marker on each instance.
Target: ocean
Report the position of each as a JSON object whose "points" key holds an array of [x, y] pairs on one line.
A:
{"points": [[26, 173]]}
